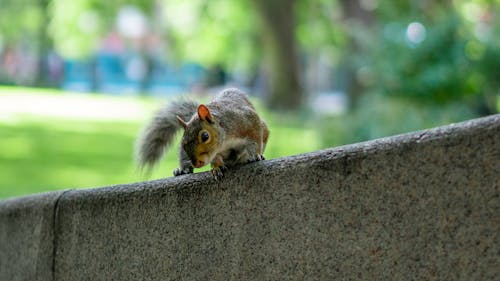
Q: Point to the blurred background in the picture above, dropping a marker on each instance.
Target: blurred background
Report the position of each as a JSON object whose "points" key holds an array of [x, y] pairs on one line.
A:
{"points": [[78, 79]]}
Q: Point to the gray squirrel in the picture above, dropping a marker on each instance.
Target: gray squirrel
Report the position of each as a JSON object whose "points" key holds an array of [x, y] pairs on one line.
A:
{"points": [[225, 132]]}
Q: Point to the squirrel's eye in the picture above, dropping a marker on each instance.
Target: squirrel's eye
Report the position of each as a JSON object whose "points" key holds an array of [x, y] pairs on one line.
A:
{"points": [[204, 136]]}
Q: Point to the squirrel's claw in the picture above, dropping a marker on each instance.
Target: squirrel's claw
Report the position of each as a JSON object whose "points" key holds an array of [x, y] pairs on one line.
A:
{"points": [[218, 172], [258, 157], [180, 171]]}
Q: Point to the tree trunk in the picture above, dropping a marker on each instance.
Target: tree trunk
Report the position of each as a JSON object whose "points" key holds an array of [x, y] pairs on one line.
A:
{"points": [[44, 44], [278, 22], [353, 11]]}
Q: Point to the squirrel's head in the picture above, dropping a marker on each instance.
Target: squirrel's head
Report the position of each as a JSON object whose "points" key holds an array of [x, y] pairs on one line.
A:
{"points": [[201, 138]]}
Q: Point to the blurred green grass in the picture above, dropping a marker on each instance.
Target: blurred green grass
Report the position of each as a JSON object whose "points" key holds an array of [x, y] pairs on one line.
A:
{"points": [[44, 152]]}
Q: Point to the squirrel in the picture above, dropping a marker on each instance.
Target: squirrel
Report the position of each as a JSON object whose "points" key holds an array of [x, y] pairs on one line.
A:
{"points": [[225, 132]]}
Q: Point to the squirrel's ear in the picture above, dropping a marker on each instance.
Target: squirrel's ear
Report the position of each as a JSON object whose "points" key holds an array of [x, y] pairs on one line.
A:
{"points": [[204, 113], [181, 122]]}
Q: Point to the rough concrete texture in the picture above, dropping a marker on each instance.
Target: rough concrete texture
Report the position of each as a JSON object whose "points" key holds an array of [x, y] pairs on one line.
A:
{"points": [[420, 206], [27, 237]]}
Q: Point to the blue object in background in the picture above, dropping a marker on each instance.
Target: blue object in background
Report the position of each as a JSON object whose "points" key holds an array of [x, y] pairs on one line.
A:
{"points": [[169, 80], [78, 76], [165, 80], [112, 77], [118, 75]]}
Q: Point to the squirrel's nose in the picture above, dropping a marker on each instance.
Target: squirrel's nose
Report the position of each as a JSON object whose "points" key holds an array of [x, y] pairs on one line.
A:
{"points": [[199, 164]]}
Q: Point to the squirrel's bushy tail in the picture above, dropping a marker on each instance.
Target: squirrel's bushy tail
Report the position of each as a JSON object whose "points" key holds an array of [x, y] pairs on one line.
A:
{"points": [[159, 133]]}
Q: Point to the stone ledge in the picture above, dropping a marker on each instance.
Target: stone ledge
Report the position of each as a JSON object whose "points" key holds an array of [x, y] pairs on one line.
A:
{"points": [[422, 205], [27, 237]]}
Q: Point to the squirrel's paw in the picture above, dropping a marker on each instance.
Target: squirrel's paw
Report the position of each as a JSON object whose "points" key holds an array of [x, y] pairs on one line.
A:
{"points": [[258, 157], [218, 172], [179, 171]]}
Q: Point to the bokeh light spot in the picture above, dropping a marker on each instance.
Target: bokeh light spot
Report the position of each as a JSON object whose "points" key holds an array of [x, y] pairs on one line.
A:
{"points": [[415, 33]]}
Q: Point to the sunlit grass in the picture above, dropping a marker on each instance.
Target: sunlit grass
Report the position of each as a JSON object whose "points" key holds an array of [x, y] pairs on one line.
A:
{"points": [[43, 150]]}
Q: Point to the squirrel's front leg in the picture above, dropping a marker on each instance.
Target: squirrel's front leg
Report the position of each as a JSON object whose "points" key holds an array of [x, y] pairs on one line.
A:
{"points": [[252, 152], [185, 166], [218, 167]]}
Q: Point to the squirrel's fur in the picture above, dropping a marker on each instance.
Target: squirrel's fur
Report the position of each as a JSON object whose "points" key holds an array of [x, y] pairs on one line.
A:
{"points": [[160, 132], [225, 132]]}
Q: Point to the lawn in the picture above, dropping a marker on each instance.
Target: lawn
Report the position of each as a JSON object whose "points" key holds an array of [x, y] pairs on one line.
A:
{"points": [[52, 140]]}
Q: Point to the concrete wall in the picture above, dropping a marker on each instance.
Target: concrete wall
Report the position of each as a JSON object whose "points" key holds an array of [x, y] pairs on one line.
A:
{"points": [[421, 206]]}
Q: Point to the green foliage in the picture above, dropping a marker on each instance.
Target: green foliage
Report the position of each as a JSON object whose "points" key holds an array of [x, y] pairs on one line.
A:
{"points": [[456, 61], [213, 32], [316, 28], [458, 58], [76, 28], [208, 32], [379, 116], [19, 21]]}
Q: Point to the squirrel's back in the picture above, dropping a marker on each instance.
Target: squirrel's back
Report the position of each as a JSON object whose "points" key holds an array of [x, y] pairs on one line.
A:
{"points": [[231, 98], [233, 107]]}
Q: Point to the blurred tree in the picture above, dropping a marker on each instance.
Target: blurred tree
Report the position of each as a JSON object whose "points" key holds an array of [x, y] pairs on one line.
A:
{"points": [[226, 33], [44, 43], [278, 27], [438, 52], [217, 32], [359, 17], [425, 51], [23, 29], [78, 28]]}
